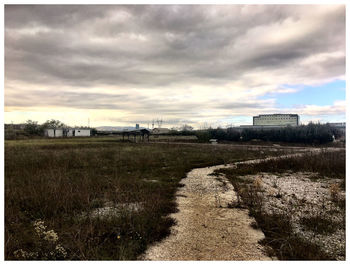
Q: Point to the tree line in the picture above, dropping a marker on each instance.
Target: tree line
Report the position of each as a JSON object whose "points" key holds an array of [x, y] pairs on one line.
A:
{"points": [[309, 134], [312, 133], [33, 129]]}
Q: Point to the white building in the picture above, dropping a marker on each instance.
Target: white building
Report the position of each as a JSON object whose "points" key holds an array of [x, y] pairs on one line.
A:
{"points": [[54, 132], [82, 132], [70, 133], [276, 120], [58, 132], [50, 132], [67, 132]]}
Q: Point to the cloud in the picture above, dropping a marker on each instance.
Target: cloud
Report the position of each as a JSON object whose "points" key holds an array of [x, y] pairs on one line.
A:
{"points": [[337, 108], [174, 60]]}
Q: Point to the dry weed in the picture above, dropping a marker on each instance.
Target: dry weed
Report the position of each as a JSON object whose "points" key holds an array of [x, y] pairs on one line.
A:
{"points": [[257, 184], [334, 190]]}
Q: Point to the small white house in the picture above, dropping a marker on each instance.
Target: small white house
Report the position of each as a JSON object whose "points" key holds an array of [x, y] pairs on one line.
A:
{"points": [[82, 132], [58, 132], [50, 132]]}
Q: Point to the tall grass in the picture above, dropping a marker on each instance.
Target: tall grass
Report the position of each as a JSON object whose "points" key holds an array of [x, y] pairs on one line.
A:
{"points": [[326, 164], [59, 180]]}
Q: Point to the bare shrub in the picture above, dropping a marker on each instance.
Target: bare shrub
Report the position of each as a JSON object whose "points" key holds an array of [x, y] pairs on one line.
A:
{"points": [[334, 191], [257, 184]]}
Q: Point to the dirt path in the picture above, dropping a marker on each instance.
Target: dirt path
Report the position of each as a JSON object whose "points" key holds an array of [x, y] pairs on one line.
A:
{"points": [[206, 228]]}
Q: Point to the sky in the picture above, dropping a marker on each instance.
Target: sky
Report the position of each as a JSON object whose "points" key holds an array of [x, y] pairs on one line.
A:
{"points": [[201, 65]]}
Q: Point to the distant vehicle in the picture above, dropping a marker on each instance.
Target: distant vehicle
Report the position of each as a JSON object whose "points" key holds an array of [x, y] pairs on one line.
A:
{"points": [[213, 141]]}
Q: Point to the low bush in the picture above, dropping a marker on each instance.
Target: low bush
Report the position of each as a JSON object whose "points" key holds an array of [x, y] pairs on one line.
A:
{"points": [[305, 134]]}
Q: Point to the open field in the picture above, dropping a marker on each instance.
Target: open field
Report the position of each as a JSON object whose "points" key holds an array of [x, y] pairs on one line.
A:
{"points": [[96, 198], [173, 138], [298, 202]]}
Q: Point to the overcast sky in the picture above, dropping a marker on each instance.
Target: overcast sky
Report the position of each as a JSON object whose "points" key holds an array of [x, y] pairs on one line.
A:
{"points": [[199, 65]]}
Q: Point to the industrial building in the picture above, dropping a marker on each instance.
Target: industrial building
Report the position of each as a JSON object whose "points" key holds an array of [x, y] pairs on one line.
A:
{"points": [[276, 120]]}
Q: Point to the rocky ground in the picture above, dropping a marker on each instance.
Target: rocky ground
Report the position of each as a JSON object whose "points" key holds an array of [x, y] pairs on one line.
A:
{"points": [[315, 205]]}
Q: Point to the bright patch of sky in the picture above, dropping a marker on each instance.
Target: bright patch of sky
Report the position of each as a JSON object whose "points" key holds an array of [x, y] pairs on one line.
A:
{"points": [[322, 118], [321, 95]]}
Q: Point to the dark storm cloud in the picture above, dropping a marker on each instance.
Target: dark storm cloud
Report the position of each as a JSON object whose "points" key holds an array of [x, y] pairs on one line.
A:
{"points": [[53, 16], [163, 47]]}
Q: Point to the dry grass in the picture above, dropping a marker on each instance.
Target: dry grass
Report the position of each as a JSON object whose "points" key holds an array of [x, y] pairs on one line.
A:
{"points": [[58, 180], [277, 225], [334, 191]]}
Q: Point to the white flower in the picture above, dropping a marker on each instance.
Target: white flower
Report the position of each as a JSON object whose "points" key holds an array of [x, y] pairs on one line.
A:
{"points": [[51, 236], [20, 254], [39, 227], [61, 250]]}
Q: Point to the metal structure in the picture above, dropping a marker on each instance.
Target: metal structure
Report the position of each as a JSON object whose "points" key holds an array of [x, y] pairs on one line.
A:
{"points": [[141, 133]]}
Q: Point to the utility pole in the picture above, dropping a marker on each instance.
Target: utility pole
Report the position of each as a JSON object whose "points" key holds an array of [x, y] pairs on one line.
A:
{"points": [[159, 122]]}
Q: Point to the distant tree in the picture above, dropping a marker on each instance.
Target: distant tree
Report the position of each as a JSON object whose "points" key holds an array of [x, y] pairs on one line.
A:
{"points": [[186, 127], [93, 132], [52, 124], [336, 132], [203, 135], [32, 128], [233, 135], [309, 134], [220, 134]]}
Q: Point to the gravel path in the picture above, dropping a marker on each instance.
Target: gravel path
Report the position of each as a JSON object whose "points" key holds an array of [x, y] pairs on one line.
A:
{"points": [[206, 229]]}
